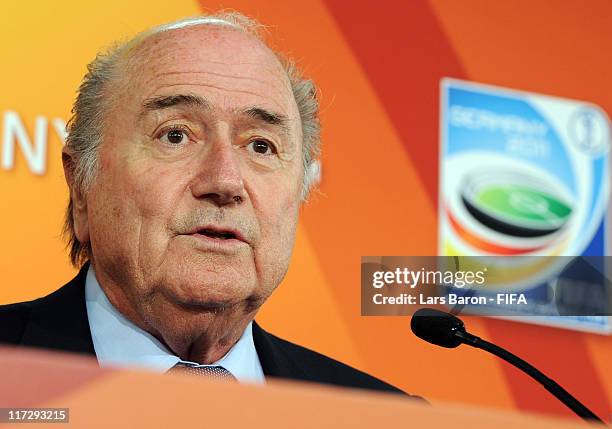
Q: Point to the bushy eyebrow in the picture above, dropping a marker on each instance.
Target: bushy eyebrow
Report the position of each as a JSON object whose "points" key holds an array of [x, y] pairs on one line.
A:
{"points": [[166, 101], [191, 100], [270, 118], [265, 116]]}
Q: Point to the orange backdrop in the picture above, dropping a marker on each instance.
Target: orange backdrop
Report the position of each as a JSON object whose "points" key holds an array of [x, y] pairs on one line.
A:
{"points": [[378, 64]]}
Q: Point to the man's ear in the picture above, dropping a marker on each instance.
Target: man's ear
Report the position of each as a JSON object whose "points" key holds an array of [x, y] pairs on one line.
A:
{"points": [[77, 198]]}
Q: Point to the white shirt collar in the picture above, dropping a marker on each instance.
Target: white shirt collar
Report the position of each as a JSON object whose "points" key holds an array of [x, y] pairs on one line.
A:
{"points": [[120, 343]]}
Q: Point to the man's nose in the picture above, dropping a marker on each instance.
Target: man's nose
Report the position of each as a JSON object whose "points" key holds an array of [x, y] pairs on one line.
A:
{"points": [[220, 177]]}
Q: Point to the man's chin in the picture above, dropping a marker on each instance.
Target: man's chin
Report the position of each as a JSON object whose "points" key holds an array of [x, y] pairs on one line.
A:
{"points": [[205, 306], [215, 300]]}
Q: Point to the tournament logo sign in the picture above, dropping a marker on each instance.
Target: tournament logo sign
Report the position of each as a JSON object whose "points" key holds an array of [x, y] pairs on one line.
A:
{"points": [[523, 176]]}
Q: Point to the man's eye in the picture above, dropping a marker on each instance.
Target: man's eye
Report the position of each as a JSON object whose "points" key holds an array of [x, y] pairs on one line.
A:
{"points": [[262, 147], [174, 136]]}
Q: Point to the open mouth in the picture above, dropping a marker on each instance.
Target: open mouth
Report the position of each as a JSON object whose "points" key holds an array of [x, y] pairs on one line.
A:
{"points": [[219, 235]]}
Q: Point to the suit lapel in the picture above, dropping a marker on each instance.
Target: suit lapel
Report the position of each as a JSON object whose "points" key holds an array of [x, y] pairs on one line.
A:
{"points": [[275, 360], [59, 320]]}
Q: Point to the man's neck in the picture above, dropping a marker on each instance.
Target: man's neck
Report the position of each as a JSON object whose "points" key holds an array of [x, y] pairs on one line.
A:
{"points": [[195, 334]]}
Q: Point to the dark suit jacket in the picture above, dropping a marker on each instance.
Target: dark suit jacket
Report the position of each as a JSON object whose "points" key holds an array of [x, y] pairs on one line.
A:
{"points": [[59, 321]]}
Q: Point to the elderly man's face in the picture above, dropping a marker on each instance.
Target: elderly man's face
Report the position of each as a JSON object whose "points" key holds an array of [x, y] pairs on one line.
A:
{"points": [[196, 200]]}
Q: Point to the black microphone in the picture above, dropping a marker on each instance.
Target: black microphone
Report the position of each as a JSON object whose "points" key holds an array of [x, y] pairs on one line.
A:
{"points": [[445, 330]]}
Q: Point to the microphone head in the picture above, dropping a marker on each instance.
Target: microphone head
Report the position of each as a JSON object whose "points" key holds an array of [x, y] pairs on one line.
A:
{"points": [[437, 327]]}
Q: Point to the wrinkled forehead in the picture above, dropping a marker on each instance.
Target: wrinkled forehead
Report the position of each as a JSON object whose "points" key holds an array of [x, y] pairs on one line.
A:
{"points": [[209, 58]]}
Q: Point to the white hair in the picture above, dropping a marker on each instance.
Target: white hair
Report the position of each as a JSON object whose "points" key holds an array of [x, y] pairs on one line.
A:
{"points": [[86, 126]]}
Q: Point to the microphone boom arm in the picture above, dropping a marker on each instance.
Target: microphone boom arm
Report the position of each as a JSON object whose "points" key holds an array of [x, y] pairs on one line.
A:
{"points": [[550, 385], [446, 330]]}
